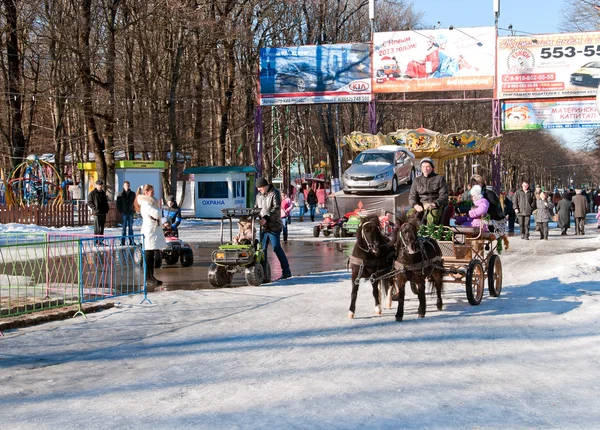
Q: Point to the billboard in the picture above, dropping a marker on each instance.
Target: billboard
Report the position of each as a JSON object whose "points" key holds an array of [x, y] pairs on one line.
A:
{"points": [[434, 60], [315, 74], [548, 66], [550, 114]]}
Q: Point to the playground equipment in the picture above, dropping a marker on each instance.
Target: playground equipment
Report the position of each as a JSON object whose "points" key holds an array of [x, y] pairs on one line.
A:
{"points": [[33, 182]]}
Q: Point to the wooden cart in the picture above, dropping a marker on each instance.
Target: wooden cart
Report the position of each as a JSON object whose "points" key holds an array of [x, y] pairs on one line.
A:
{"points": [[471, 258]]}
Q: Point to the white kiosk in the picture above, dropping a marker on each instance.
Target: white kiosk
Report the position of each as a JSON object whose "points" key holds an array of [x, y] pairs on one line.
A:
{"points": [[221, 187], [138, 173]]}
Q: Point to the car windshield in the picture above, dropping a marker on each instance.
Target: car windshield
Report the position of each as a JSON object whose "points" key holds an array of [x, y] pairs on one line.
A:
{"points": [[374, 157], [592, 65]]}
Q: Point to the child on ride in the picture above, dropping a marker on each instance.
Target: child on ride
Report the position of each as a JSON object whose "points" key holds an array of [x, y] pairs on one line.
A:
{"points": [[477, 212]]}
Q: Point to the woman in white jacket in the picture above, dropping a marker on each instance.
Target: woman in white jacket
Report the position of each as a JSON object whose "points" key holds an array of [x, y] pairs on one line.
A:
{"points": [[154, 238]]}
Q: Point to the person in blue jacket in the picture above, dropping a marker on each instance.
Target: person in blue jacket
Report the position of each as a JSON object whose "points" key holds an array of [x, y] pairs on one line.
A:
{"points": [[172, 213]]}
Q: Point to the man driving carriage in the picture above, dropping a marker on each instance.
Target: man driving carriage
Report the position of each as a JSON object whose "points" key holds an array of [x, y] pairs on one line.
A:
{"points": [[429, 193]]}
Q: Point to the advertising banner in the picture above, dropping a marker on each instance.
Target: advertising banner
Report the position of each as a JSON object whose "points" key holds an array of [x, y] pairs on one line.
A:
{"points": [[434, 60], [549, 65], [551, 113], [338, 73]]}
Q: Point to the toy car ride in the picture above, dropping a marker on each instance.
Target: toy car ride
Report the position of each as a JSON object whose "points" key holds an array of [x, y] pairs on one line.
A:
{"points": [[176, 250], [241, 254], [329, 226]]}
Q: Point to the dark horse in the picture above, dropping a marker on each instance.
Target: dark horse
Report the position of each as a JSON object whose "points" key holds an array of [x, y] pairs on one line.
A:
{"points": [[417, 260], [372, 253]]}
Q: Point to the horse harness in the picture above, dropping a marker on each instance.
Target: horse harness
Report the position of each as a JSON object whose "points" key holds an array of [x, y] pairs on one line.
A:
{"points": [[425, 262]]}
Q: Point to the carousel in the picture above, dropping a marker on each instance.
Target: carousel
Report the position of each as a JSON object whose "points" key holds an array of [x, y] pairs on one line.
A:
{"points": [[34, 182]]}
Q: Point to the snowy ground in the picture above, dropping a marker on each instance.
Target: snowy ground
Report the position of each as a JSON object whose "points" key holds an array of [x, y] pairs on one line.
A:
{"points": [[285, 355]]}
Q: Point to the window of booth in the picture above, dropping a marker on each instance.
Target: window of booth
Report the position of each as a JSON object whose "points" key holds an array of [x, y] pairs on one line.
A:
{"points": [[239, 189], [213, 190]]}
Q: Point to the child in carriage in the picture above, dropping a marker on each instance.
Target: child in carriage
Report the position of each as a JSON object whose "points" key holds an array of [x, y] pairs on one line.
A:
{"points": [[245, 234], [474, 218]]}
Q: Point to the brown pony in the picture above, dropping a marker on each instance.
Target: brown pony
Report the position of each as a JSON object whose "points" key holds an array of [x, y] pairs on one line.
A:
{"points": [[417, 260], [372, 254]]}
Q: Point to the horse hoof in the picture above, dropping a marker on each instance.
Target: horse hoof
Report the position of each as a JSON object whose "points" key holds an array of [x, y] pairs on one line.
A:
{"points": [[439, 307], [421, 316], [398, 319], [378, 310], [350, 315]]}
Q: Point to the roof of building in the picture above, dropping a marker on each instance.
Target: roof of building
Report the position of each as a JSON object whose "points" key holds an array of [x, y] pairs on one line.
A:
{"points": [[212, 170]]}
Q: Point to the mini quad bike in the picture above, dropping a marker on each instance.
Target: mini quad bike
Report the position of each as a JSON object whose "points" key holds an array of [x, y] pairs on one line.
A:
{"points": [[240, 255], [350, 226], [329, 226], [176, 250]]}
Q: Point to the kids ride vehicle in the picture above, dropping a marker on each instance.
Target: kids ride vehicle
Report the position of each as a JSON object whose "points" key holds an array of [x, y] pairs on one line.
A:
{"points": [[329, 226], [242, 254], [176, 250], [350, 227]]}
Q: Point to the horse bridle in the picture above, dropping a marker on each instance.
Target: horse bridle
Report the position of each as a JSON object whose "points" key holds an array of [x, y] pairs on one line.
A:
{"points": [[370, 247]]}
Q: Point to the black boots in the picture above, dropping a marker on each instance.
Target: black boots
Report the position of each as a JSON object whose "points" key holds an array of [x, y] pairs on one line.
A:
{"points": [[150, 279]]}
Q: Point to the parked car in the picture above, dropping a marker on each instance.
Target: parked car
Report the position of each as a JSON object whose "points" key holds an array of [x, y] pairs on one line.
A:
{"points": [[302, 77], [380, 169], [588, 75]]}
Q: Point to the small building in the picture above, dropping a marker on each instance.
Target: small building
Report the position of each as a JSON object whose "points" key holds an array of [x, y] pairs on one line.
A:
{"points": [[222, 187]]}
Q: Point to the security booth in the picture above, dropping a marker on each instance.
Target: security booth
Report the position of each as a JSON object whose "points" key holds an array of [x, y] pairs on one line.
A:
{"points": [[221, 187], [138, 173]]}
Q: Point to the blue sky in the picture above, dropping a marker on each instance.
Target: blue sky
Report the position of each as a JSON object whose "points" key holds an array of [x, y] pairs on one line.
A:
{"points": [[530, 16]]}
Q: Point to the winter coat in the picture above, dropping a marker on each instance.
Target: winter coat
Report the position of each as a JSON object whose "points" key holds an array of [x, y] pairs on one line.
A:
{"points": [[523, 202], [545, 210], [581, 206], [173, 215], [270, 208], [98, 202], [286, 207], [475, 215], [154, 237], [312, 199], [301, 199], [508, 206], [429, 189], [563, 209], [125, 201], [495, 210]]}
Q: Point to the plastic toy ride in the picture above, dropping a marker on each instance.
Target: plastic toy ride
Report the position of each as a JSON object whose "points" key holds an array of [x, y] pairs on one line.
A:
{"points": [[350, 227], [329, 226], [245, 257], [176, 250]]}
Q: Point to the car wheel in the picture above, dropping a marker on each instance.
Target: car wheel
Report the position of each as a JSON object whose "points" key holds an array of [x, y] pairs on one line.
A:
{"points": [[394, 189], [412, 177], [301, 85]]}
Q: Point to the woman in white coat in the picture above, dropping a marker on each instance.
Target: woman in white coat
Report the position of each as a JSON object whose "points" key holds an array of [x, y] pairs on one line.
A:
{"points": [[154, 238]]}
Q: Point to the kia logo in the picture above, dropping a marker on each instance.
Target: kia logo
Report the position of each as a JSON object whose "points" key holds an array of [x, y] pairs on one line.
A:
{"points": [[359, 86]]}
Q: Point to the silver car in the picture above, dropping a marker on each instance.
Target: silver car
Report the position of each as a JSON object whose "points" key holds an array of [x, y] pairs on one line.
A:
{"points": [[380, 169]]}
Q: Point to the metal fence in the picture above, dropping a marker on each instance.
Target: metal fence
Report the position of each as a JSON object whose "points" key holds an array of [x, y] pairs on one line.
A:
{"points": [[41, 271]]}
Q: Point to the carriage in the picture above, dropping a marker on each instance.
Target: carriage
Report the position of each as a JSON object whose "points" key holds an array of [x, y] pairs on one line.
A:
{"points": [[471, 257]]}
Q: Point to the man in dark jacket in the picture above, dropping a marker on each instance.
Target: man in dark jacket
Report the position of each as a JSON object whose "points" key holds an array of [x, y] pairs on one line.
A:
{"points": [[98, 203], [580, 209], [524, 205], [125, 201], [268, 200], [429, 192]]}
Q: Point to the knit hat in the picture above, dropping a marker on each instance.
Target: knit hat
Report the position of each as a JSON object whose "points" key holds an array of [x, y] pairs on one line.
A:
{"points": [[475, 191], [99, 182], [171, 199], [428, 160], [261, 182]]}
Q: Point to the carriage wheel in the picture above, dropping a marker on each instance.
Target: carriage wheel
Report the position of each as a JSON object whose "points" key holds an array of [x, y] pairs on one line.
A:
{"points": [[495, 276], [474, 282]]}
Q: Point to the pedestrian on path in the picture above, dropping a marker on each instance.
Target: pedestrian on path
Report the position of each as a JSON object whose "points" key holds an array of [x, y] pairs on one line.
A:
{"points": [[524, 205], [545, 210], [580, 210], [154, 238], [563, 209], [98, 204], [125, 201]]}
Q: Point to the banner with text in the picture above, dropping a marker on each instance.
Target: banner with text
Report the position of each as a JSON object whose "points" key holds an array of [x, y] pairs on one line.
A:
{"points": [[552, 113], [434, 60], [338, 73], [549, 65]]}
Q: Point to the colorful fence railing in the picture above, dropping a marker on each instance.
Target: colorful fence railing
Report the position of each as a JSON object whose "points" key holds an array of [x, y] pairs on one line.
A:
{"points": [[59, 215], [41, 271]]}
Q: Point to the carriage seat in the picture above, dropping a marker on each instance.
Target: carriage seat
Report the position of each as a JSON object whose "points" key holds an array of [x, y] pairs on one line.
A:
{"points": [[472, 232]]}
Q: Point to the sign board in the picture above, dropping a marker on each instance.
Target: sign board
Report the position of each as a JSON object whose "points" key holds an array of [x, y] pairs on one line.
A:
{"points": [[548, 66], [550, 114], [339, 73], [434, 60]]}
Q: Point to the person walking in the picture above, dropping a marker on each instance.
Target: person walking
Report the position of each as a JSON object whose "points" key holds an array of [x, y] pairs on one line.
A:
{"points": [[545, 210], [509, 210], [98, 204], [286, 208], [268, 200], [580, 210], [301, 202], [125, 201], [154, 238], [429, 193], [312, 201], [524, 204], [563, 209]]}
